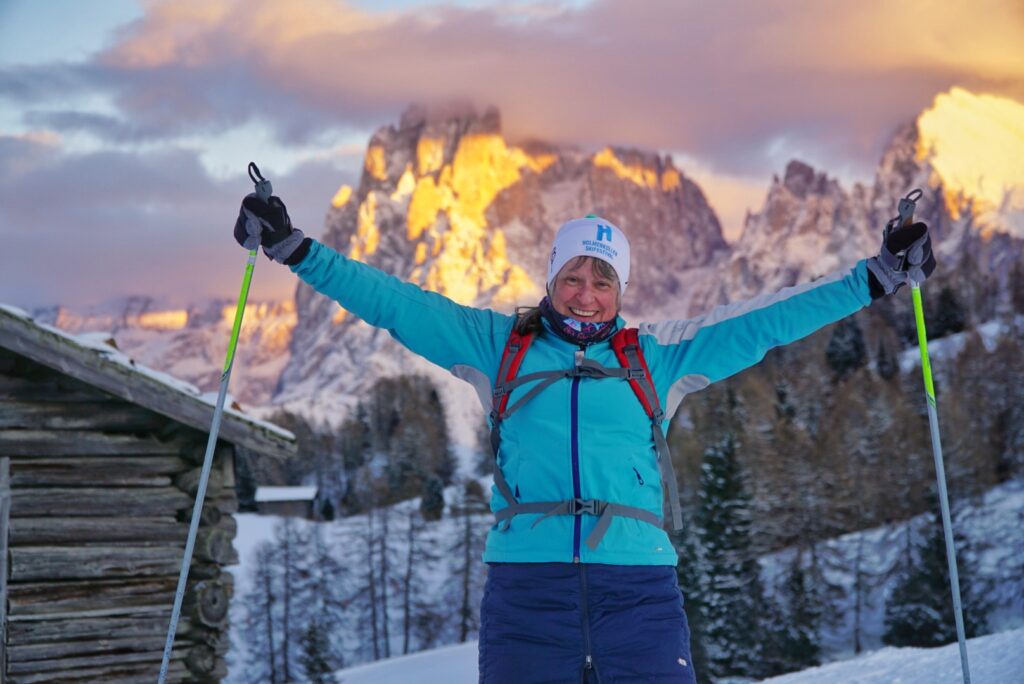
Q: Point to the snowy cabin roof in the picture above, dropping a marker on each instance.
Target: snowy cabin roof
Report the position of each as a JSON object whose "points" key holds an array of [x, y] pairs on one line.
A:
{"points": [[101, 365], [268, 494]]}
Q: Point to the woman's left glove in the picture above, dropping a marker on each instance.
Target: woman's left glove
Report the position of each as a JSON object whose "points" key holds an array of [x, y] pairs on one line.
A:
{"points": [[268, 224], [906, 255]]}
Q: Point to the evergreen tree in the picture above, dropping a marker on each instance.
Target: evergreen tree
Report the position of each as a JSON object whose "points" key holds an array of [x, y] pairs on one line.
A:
{"points": [[1016, 286], [315, 653], [886, 363], [733, 598], [432, 500], [920, 610], [948, 315], [795, 636], [846, 351]]}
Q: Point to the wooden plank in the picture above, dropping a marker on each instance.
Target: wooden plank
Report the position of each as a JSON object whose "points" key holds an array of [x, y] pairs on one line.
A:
{"points": [[148, 471], [23, 632], [50, 348], [57, 666], [63, 562], [50, 443], [71, 596], [61, 415], [5, 516], [56, 530], [66, 649], [94, 501], [48, 385], [130, 673]]}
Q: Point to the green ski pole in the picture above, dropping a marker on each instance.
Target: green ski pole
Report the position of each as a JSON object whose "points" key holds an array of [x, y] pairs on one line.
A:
{"points": [[263, 191], [906, 217]]}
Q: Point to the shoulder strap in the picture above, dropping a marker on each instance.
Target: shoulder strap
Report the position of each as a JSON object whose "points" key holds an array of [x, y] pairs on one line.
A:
{"points": [[511, 359], [626, 345]]}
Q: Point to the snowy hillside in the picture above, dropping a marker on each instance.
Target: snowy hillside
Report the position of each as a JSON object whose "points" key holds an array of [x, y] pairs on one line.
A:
{"points": [[991, 527], [994, 659]]}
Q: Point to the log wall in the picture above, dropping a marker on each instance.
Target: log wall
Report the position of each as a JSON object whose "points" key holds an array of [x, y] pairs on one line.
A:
{"points": [[101, 492]]}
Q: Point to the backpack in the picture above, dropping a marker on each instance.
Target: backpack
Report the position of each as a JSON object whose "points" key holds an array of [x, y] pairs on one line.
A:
{"points": [[625, 344]]}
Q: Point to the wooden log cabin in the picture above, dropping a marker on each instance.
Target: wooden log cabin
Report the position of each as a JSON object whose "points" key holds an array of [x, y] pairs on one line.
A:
{"points": [[99, 465]]}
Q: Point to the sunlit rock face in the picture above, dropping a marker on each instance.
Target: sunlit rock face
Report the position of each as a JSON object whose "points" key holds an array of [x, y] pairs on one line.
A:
{"points": [[190, 343], [965, 153], [447, 202]]}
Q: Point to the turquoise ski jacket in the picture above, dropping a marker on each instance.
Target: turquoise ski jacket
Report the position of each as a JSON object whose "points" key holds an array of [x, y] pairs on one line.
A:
{"points": [[582, 437]]}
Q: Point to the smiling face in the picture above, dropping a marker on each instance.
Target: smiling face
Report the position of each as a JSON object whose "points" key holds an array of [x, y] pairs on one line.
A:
{"points": [[586, 289]]}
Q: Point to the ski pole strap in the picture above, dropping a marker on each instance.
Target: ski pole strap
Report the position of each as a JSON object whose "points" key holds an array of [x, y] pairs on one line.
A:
{"points": [[605, 511]]}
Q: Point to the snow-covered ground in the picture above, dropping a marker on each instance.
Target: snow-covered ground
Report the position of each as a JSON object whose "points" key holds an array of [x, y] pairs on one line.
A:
{"points": [[993, 529], [994, 659], [993, 526]]}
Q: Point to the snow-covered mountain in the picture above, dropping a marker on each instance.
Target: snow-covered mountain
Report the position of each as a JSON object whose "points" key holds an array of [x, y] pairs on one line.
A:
{"points": [[446, 201], [190, 343]]}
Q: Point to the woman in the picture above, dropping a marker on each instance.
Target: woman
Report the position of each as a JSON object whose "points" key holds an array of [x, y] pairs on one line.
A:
{"points": [[581, 584]]}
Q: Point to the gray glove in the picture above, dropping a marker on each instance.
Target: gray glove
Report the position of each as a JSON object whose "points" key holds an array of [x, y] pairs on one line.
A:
{"points": [[268, 224], [906, 255]]}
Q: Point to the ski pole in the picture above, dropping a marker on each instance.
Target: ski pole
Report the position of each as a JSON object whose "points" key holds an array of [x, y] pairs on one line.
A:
{"points": [[263, 191], [905, 218]]}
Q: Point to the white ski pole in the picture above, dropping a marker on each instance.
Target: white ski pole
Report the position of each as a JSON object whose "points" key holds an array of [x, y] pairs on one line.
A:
{"points": [[906, 216], [263, 191]]}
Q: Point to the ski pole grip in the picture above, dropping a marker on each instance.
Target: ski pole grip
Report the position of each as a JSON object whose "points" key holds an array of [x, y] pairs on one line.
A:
{"points": [[264, 189], [907, 205]]}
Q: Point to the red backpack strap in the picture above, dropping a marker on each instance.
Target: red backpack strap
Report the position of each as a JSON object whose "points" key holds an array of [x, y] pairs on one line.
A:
{"points": [[626, 345], [511, 359]]}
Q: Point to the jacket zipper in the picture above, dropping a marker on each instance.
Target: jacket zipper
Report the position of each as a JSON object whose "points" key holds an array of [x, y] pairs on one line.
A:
{"points": [[575, 442]]}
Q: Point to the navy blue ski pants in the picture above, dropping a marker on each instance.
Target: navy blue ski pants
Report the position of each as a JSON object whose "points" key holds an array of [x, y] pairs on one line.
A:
{"points": [[564, 623]]}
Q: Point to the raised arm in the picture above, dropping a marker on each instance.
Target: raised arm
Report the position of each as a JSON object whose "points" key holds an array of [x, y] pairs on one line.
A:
{"points": [[732, 337], [427, 323], [466, 341], [691, 354]]}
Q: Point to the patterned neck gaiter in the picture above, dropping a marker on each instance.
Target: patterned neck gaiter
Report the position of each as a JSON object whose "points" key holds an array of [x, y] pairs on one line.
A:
{"points": [[574, 331]]}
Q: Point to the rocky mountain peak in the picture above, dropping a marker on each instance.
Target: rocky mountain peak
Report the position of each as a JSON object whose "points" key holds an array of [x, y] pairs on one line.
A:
{"points": [[447, 202], [800, 179]]}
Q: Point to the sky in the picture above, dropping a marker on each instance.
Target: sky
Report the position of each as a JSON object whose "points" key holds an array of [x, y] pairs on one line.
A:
{"points": [[126, 125]]}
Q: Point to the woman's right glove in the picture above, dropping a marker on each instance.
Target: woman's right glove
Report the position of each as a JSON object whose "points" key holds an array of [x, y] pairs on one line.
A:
{"points": [[268, 224], [906, 255]]}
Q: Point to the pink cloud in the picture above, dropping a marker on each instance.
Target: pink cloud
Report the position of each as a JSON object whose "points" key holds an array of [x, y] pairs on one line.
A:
{"points": [[718, 80]]}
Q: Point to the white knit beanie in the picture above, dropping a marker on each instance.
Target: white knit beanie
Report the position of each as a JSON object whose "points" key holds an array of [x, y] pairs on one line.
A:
{"points": [[595, 237]]}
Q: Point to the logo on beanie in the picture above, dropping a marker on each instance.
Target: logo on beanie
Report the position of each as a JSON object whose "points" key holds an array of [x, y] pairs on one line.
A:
{"points": [[604, 233], [554, 251]]}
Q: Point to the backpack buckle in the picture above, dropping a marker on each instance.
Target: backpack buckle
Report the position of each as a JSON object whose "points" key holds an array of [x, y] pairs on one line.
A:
{"points": [[635, 374], [586, 506]]}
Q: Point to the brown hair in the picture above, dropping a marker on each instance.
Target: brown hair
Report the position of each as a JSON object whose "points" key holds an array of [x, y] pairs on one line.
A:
{"points": [[528, 318]]}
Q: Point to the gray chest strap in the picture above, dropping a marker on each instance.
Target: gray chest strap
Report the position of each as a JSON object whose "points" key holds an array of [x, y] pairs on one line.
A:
{"points": [[584, 368]]}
